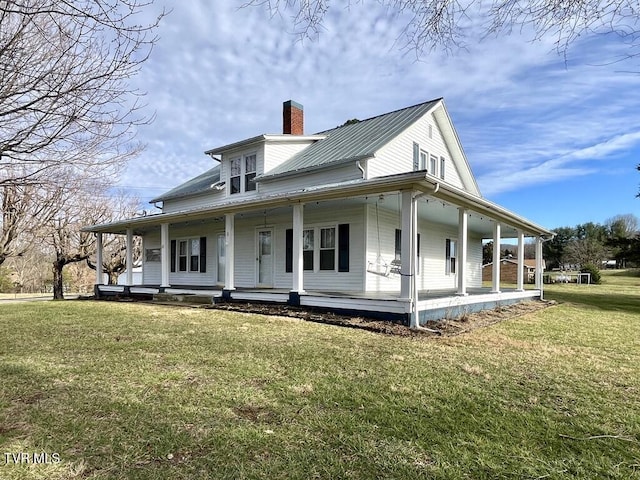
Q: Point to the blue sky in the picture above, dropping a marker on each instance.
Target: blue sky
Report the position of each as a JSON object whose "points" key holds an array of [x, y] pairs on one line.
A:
{"points": [[553, 138]]}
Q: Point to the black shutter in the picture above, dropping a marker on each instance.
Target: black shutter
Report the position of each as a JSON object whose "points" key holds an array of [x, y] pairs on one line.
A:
{"points": [[343, 247], [173, 255], [203, 254], [288, 262]]}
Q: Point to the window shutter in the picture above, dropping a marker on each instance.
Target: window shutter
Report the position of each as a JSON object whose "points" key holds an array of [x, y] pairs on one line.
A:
{"points": [[203, 254], [173, 255], [288, 267], [416, 156], [343, 247]]}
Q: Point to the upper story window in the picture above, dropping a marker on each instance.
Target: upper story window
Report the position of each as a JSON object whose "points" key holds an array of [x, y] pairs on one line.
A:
{"points": [[236, 170], [423, 159], [433, 165], [242, 171]]}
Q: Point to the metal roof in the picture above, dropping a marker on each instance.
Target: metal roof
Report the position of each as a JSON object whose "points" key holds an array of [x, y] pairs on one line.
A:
{"points": [[352, 142], [201, 183]]}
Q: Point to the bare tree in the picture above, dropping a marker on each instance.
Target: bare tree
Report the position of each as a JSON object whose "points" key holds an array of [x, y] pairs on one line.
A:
{"points": [[442, 23], [114, 254], [66, 107]]}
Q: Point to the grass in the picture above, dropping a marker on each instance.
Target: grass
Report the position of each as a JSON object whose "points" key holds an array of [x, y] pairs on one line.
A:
{"points": [[124, 390]]}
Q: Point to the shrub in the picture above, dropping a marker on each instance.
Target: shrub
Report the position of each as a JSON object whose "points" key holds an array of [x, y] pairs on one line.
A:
{"points": [[593, 270]]}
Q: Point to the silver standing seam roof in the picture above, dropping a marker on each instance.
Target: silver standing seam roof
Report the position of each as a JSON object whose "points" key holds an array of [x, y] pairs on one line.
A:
{"points": [[356, 141]]}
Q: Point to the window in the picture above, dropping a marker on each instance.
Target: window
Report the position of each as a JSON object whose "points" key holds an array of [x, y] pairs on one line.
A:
{"points": [[242, 171], [423, 159], [189, 255], [182, 256], [235, 175], [194, 255], [307, 249], [152, 254], [249, 173], [328, 248], [433, 165], [442, 163], [450, 252], [322, 248]]}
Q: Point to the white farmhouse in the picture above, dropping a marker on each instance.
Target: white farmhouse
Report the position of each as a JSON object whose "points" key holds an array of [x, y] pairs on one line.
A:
{"points": [[381, 216]]}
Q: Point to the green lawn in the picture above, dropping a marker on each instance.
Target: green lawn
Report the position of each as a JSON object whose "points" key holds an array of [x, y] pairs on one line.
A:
{"points": [[125, 390]]}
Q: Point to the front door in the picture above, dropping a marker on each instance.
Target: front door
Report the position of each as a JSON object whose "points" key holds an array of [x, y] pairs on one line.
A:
{"points": [[265, 258]]}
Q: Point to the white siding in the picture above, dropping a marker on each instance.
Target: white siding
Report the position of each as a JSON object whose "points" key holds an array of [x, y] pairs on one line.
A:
{"points": [[432, 267], [277, 153], [397, 155], [340, 173], [196, 201]]}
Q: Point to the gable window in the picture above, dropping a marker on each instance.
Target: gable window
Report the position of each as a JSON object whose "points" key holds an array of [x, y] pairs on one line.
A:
{"points": [[249, 173], [442, 164], [450, 254], [236, 165], [189, 255]]}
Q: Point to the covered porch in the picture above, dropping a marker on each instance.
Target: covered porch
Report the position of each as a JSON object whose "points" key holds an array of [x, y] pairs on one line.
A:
{"points": [[357, 285]]}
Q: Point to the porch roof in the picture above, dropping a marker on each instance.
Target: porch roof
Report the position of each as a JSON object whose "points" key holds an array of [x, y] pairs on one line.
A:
{"points": [[419, 181]]}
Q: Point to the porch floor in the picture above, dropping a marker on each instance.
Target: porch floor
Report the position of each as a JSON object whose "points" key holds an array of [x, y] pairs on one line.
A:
{"points": [[432, 305]]}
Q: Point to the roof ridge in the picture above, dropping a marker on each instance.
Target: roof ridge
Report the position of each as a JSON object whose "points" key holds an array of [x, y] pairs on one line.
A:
{"points": [[381, 115]]}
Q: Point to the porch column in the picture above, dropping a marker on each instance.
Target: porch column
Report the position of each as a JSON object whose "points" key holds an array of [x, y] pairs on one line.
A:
{"points": [[99, 271], [463, 218], [229, 233], [539, 265], [496, 258], [406, 257], [129, 261], [520, 275], [298, 248], [165, 255]]}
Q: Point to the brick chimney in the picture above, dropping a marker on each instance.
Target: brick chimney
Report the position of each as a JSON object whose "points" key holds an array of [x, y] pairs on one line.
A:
{"points": [[292, 118]]}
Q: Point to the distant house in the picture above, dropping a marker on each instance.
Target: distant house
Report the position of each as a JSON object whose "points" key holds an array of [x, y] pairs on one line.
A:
{"points": [[380, 217], [509, 270]]}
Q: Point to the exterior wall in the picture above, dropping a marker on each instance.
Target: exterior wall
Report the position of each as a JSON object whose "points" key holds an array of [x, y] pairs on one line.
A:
{"points": [[340, 173], [397, 155], [276, 153], [196, 201], [245, 272], [381, 226]]}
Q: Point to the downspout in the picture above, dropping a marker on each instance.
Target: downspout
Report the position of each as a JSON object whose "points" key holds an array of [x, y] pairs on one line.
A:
{"points": [[361, 168], [415, 321]]}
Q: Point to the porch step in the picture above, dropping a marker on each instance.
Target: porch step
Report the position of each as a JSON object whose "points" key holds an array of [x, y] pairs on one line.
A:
{"points": [[183, 298]]}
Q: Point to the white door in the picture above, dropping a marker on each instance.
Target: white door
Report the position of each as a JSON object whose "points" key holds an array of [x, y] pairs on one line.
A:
{"points": [[265, 258], [221, 258]]}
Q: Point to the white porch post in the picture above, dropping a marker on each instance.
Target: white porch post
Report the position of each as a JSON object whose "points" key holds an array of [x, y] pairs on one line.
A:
{"points": [[539, 265], [99, 271], [165, 255], [298, 248], [229, 233], [496, 258], [406, 258], [415, 313], [129, 279], [462, 251], [520, 275]]}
